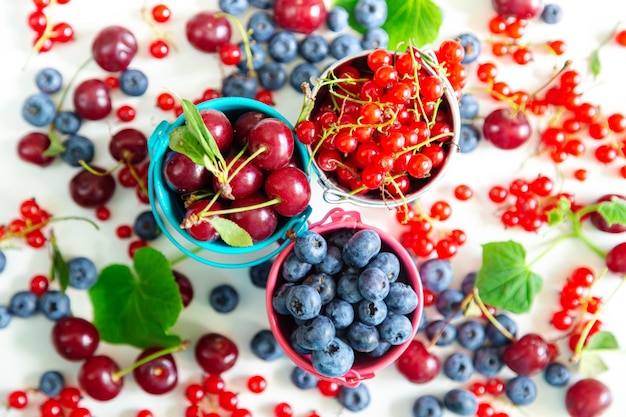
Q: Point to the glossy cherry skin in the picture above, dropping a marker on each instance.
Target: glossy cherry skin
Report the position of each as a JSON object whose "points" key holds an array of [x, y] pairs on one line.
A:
{"points": [[216, 353], [96, 378], [274, 140], [129, 145], [89, 190], [247, 181], [31, 147], [113, 48], [598, 221], [158, 376], [201, 230], [417, 364], [185, 287], [218, 124], [520, 9], [207, 32], [529, 355], [292, 187], [75, 338], [182, 175], [260, 223], [588, 398], [303, 16], [92, 100], [506, 128]]}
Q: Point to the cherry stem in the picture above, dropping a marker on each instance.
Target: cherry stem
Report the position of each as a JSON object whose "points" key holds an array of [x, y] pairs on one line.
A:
{"points": [[116, 376], [245, 40], [491, 318], [461, 307], [267, 203], [88, 168], [135, 175]]}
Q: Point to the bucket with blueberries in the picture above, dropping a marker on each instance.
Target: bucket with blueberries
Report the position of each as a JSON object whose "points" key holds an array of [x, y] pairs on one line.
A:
{"points": [[380, 127], [226, 181], [344, 299]]}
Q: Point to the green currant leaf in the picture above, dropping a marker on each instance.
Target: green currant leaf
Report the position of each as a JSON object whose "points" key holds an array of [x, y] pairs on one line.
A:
{"points": [[504, 279], [138, 308], [614, 211], [59, 268], [602, 341], [560, 213], [182, 141], [591, 365], [594, 63], [231, 233]]}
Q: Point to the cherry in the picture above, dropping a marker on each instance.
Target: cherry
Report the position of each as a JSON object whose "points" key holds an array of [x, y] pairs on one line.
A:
{"points": [[198, 226], [507, 128], [157, 376], [417, 364], [528, 355], [616, 259], [31, 148], [291, 186], [185, 287], [215, 353], [587, 398], [519, 9], [91, 190], [303, 16], [97, 378], [75, 338], [129, 145], [244, 180], [113, 48], [260, 223], [218, 124], [598, 221], [272, 143], [182, 175], [92, 100], [207, 32]]}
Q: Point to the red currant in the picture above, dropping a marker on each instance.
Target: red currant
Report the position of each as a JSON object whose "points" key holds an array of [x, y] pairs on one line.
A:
{"points": [[161, 13], [257, 384]]}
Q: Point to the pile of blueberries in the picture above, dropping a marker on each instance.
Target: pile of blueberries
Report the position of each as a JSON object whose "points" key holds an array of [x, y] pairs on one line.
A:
{"points": [[342, 297]]}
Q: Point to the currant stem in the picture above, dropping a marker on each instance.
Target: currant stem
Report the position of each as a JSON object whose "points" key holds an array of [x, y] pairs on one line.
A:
{"points": [[245, 40], [461, 307], [491, 318], [565, 66], [32, 228], [116, 376]]}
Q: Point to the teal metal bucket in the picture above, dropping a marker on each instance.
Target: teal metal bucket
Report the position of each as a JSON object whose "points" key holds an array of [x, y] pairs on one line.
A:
{"points": [[169, 213]]}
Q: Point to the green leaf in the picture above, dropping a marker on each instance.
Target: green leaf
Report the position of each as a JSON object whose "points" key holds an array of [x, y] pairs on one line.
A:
{"points": [[231, 233], [182, 141], [59, 268], [602, 341], [138, 308], [560, 213], [591, 365], [614, 211], [594, 63], [196, 125], [504, 279], [417, 21]]}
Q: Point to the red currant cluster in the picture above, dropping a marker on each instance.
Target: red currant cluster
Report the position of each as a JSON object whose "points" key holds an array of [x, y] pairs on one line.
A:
{"points": [[46, 32], [577, 305], [28, 226], [493, 387], [160, 44], [66, 404], [423, 238], [211, 396]]}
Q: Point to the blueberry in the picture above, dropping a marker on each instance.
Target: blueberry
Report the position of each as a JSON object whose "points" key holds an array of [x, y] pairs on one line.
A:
{"points": [[556, 374], [145, 226], [375, 38], [303, 302], [324, 284], [5, 317], [224, 298], [339, 237], [282, 47], [370, 13], [262, 4], [310, 247], [461, 402], [469, 137], [239, 85], [521, 390], [260, 272], [488, 360], [54, 304], [373, 284], [279, 299], [552, 13], [468, 106], [448, 303], [233, 7], [458, 366], [361, 248], [395, 329], [436, 274], [388, 263], [332, 262], [49, 80], [495, 336], [401, 299], [38, 110], [264, 346], [23, 304], [333, 361], [316, 333], [258, 56], [423, 324], [471, 334], [372, 312], [344, 45], [296, 347], [67, 122], [51, 383], [77, 148], [427, 406], [362, 337], [354, 398], [313, 48], [467, 284], [272, 76], [348, 288], [302, 379], [471, 45], [83, 272], [446, 336], [293, 269], [262, 25], [337, 19], [382, 348], [304, 72], [340, 312], [3, 261], [133, 82]]}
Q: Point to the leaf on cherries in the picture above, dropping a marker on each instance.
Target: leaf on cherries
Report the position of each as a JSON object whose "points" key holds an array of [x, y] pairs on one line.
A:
{"points": [[230, 232], [613, 212], [591, 364], [59, 268], [137, 308], [182, 141], [505, 280]]}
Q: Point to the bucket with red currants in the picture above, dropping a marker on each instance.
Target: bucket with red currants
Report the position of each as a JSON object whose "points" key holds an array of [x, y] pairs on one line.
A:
{"points": [[226, 181], [380, 127], [344, 299]]}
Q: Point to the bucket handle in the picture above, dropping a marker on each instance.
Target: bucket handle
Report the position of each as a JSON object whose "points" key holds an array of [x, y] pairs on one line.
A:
{"points": [[159, 138], [352, 378], [351, 218]]}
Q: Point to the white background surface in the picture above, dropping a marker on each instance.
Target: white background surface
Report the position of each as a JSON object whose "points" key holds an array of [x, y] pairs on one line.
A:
{"points": [[25, 351]]}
